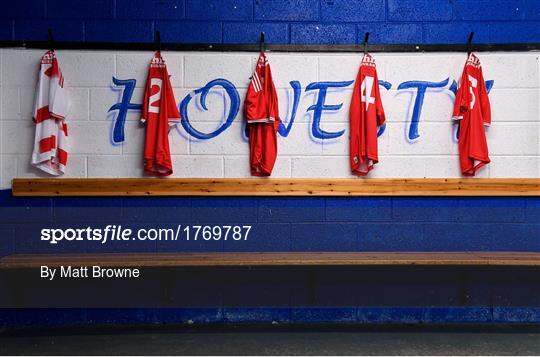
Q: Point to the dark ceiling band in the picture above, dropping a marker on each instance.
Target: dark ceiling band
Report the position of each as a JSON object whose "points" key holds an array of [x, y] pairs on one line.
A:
{"points": [[221, 47]]}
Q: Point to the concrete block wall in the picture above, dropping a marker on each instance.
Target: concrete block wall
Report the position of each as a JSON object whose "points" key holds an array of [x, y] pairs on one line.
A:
{"points": [[513, 138], [284, 21]]}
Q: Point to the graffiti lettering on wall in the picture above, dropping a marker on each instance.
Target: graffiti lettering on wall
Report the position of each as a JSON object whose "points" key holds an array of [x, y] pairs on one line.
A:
{"points": [[317, 110]]}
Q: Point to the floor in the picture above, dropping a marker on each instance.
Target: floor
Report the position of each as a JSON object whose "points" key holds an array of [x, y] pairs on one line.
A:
{"points": [[244, 342]]}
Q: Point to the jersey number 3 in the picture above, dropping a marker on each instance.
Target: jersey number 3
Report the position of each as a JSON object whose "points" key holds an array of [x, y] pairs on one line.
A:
{"points": [[474, 84]]}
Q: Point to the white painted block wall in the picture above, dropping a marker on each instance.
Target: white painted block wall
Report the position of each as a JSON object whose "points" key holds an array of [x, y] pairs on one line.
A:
{"points": [[513, 138]]}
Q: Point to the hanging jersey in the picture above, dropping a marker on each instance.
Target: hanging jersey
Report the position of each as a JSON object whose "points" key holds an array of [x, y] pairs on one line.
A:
{"points": [[51, 108], [159, 110], [262, 115], [261, 104], [366, 113], [473, 111]]}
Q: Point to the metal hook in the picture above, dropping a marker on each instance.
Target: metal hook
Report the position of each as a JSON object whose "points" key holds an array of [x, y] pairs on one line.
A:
{"points": [[469, 43], [366, 39], [51, 39], [262, 42], [158, 41]]}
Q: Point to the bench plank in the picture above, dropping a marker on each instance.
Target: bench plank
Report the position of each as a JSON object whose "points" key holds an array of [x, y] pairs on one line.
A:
{"points": [[275, 187], [136, 260]]}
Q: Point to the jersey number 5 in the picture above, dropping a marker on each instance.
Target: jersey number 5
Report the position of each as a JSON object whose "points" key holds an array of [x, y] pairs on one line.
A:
{"points": [[474, 84], [365, 89]]}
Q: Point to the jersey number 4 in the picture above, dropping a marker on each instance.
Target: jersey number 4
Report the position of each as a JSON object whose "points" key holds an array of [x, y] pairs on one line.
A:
{"points": [[365, 89]]}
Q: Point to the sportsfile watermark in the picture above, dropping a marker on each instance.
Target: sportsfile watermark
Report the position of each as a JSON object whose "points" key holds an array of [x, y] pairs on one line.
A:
{"points": [[111, 233]]}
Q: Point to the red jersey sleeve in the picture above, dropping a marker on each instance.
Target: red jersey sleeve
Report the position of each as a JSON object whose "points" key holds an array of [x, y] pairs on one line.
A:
{"points": [[484, 101], [381, 118], [250, 103], [461, 102], [172, 109], [272, 94], [355, 115], [356, 104], [144, 109]]}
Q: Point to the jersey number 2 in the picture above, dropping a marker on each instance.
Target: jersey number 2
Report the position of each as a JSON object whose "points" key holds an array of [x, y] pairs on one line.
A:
{"points": [[153, 100]]}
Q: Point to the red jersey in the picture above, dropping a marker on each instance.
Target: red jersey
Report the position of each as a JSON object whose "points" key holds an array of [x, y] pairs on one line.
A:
{"points": [[262, 114], [159, 110], [472, 109], [365, 115], [261, 104]]}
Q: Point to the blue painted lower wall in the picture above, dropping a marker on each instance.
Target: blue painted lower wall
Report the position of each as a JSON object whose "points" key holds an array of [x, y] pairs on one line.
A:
{"points": [[369, 295], [282, 224]]}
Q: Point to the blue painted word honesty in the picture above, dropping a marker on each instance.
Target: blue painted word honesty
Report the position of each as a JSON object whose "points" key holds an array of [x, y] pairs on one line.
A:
{"points": [[127, 86]]}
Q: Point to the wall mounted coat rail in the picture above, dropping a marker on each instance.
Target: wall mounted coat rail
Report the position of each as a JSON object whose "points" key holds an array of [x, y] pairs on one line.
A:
{"points": [[224, 47]]}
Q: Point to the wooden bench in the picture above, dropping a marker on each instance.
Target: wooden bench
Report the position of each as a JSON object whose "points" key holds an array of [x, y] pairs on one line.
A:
{"points": [[275, 187], [219, 259]]}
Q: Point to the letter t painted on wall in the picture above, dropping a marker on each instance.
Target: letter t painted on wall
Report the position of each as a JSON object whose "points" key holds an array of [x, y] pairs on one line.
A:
{"points": [[123, 107], [421, 88]]}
